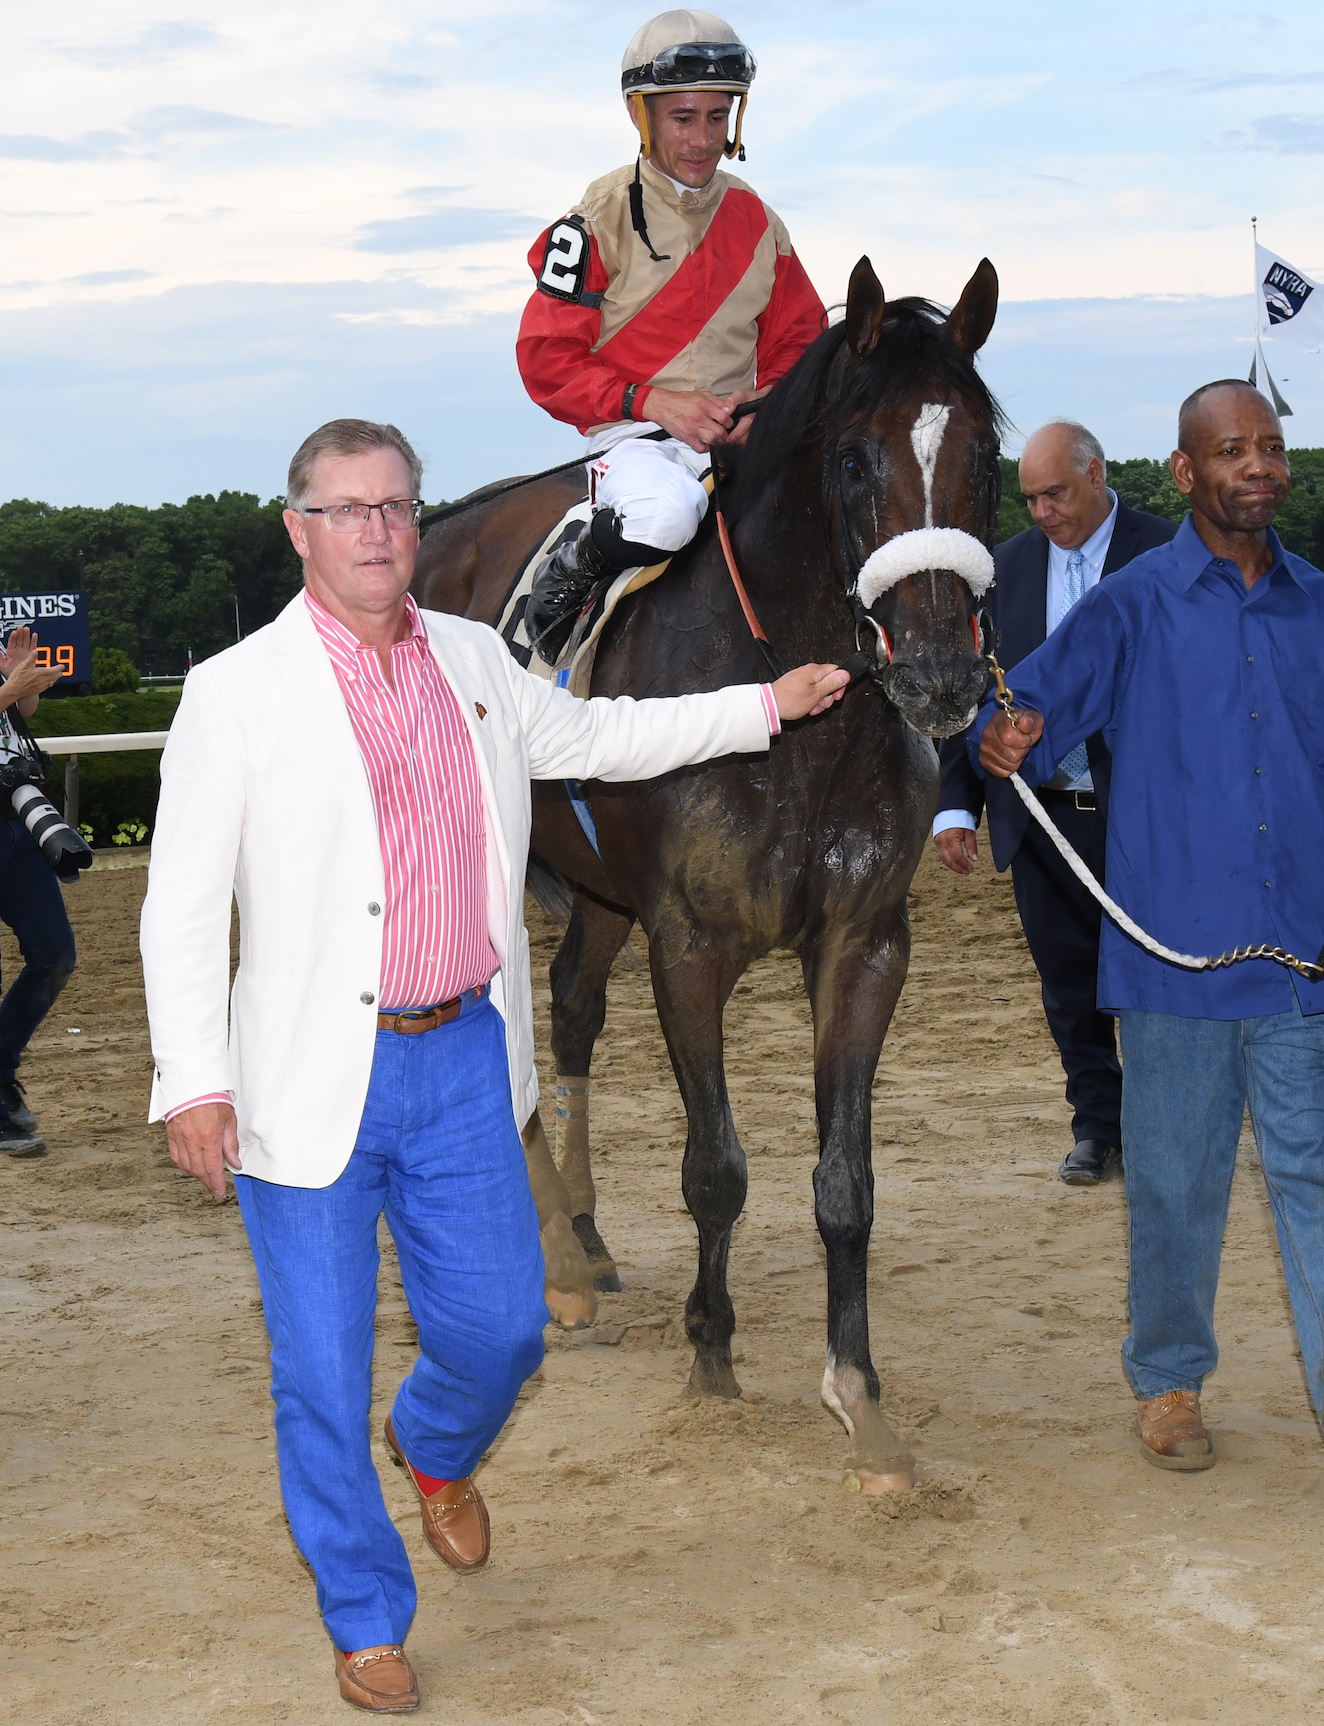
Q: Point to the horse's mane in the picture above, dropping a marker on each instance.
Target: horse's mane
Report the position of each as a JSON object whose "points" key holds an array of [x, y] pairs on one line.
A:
{"points": [[915, 346]]}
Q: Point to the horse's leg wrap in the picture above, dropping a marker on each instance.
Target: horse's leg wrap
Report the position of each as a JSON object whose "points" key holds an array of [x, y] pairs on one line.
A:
{"points": [[572, 1132], [568, 1278], [577, 1174]]}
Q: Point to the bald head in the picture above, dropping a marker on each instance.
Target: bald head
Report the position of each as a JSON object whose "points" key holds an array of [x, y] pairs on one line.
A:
{"points": [[1225, 400], [1063, 481]]}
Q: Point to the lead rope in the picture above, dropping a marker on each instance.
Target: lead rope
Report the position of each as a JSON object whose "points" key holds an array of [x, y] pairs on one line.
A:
{"points": [[1313, 973]]}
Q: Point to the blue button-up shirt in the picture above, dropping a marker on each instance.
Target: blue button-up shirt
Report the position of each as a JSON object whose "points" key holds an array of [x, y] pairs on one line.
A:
{"points": [[1211, 697]]}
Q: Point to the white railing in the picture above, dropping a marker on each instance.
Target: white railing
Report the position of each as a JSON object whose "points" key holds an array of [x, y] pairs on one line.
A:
{"points": [[104, 743], [107, 743]]}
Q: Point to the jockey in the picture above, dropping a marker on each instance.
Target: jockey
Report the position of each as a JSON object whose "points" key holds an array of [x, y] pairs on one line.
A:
{"points": [[666, 297]]}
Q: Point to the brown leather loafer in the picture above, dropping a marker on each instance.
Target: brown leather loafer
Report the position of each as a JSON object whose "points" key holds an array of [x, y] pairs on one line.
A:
{"points": [[380, 1679], [1172, 1432], [455, 1521]]}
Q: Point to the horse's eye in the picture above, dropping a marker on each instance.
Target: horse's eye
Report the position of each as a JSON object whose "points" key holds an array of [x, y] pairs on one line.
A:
{"points": [[850, 466]]}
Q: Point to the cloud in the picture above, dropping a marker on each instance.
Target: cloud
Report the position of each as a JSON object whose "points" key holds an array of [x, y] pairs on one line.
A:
{"points": [[106, 278], [153, 43], [178, 121], [437, 230], [1220, 83], [156, 126], [88, 147], [1284, 134]]}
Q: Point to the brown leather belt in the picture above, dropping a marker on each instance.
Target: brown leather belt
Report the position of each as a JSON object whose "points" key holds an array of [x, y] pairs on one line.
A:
{"points": [[410, 1020]]}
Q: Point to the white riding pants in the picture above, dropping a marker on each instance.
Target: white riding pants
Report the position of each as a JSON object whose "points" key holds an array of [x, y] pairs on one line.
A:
{"points": [[653, 488]]}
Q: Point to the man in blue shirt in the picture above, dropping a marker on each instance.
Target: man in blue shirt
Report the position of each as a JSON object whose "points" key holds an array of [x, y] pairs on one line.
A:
{"points": [[1200, 663]]}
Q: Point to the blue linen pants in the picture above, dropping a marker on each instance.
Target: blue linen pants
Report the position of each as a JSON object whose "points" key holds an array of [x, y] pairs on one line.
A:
{"points": [[438, 1151], [1186, 1085]]}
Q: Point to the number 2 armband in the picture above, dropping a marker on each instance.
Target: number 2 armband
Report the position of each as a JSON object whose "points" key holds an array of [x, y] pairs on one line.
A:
{"points": [[565, 263]]}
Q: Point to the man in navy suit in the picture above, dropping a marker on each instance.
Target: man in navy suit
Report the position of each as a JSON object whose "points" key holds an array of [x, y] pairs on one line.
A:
{"points": [[1081, 534]]}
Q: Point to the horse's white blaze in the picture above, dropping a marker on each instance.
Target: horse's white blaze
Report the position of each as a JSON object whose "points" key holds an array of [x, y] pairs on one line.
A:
{"points": [[830, 1397], [926, 437]]}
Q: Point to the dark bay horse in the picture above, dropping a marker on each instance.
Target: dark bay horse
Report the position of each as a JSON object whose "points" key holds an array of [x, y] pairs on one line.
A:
{"points": [[883, 427]]}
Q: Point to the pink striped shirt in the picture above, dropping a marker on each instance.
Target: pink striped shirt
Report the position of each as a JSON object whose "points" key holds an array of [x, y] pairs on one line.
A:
{"points": [[429, 806]]}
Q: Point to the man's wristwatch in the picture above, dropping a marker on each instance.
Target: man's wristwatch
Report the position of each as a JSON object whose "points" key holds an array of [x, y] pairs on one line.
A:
{"points": [[627, 401]]}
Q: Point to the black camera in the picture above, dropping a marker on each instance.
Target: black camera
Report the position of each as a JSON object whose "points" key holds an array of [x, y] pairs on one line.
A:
{"points": [[22, 775]]}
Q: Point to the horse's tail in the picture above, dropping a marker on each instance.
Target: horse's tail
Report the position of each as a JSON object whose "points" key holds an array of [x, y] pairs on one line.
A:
{"points": [[554, 894], [550, 888]]}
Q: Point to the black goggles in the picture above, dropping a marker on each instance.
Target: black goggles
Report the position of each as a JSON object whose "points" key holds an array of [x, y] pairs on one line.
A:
{"points": [[695, 63]]}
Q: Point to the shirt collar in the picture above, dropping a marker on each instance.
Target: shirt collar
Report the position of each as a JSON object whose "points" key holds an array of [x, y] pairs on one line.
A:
{"points": [[1194, 557], [334, 633]]}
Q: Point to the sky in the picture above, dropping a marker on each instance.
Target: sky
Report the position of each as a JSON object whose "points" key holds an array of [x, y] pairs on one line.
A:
{"points": [[221, 225]]}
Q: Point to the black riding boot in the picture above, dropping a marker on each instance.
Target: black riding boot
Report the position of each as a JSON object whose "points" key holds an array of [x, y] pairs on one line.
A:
{"points": [[574, 573]]}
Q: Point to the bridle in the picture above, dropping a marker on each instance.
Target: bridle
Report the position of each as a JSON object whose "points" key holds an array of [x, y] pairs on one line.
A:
{"points": [[849, 565]]}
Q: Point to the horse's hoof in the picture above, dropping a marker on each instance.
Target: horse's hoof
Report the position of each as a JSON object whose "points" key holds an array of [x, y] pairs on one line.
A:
{"points": [[600, 1262], [873, 1485], [713, 1376], [572, 1309]]}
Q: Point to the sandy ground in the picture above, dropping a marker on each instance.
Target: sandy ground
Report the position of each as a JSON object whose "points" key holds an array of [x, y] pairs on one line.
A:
{"points": [[655, 1558]]}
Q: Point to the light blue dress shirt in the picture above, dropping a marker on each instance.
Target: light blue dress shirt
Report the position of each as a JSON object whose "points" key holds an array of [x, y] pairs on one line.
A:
{"points": [[1095, 553]]}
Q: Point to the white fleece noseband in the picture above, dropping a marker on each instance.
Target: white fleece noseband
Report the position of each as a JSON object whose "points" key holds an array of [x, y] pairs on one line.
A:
{"points": [[927, 548]]}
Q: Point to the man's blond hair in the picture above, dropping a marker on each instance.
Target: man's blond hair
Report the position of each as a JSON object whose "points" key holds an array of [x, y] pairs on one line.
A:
{"points": [[346, 437]]}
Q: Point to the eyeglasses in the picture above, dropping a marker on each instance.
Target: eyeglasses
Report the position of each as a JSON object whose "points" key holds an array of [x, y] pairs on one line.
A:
{"points": [[397, 513]]}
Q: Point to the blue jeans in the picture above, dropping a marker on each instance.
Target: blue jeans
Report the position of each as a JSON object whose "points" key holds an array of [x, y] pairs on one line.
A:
{"points": [[438, 1151], [1186, 1084], [33, 906]]}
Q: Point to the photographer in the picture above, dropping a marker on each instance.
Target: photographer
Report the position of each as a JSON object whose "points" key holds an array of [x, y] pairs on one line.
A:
{"points": [[30, 902]]}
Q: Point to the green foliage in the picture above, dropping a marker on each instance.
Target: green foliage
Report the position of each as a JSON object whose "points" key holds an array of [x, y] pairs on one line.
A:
{"points": [[113, 672], [114, 791], [1013, 517], [161, 583], [129, 833], [1148, 485]]}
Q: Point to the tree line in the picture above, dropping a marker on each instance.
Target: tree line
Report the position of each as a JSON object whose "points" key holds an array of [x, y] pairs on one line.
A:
{"points": [[187, 579]]}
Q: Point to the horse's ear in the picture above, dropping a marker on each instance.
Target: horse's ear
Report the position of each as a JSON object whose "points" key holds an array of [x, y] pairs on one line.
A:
{"points": [[973, 314], [865, 306]]}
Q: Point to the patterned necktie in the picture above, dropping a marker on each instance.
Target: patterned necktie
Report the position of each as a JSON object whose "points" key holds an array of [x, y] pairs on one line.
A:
{"points": [[1076, 762]]}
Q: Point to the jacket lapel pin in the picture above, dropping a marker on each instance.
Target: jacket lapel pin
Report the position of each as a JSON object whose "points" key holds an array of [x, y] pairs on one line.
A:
{"points": [[480, 710]]}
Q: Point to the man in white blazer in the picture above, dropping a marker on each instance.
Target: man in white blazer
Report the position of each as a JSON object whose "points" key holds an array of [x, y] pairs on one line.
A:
{"points": [[356, 776]]}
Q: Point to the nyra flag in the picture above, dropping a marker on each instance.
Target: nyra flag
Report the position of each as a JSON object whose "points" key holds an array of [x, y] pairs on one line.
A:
{"points": [[1291, 305]]}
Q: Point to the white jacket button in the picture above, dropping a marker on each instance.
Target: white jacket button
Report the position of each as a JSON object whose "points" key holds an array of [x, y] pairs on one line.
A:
{"points": [[367, 997], [374, 910]]}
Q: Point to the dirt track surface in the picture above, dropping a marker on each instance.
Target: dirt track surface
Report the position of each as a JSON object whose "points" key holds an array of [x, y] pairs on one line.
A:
{"points": [[655, 1558]]}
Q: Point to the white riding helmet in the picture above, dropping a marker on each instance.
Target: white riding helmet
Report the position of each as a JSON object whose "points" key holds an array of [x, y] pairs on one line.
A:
{"points": [[686, 50]]}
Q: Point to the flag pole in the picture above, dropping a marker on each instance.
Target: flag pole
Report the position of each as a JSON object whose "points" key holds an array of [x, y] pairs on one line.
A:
{"points": [[1255, 296]]}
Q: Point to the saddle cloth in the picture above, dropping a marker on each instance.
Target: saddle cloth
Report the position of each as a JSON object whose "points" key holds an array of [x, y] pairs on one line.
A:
{"points": [[574, 669]]}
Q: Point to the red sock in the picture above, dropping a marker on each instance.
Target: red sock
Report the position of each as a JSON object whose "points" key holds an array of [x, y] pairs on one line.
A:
{"points": [[427, 1484]]}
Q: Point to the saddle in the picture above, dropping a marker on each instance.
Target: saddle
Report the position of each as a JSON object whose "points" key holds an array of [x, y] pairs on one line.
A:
{"points": [[574, 669]]}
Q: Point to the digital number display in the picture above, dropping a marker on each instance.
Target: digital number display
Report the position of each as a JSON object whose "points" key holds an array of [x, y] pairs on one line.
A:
{"points": [[59, 622]]}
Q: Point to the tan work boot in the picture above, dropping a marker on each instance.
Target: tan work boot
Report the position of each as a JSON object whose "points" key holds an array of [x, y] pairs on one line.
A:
{"points": [[1172, 1432], [379, 1680]]}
